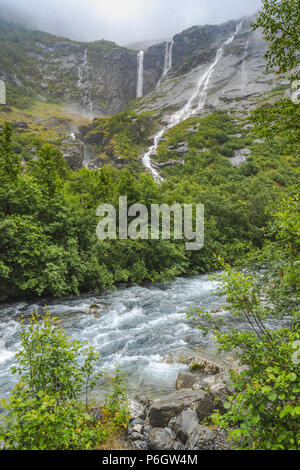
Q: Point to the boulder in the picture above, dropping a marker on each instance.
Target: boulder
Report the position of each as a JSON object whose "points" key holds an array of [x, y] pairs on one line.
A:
{"points": [[164, 409], [202, 438], [184, 424], [137, 410], [161, 439], [136, 436]]}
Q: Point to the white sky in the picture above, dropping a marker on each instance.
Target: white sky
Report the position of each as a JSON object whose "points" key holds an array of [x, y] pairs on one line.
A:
{"points": [[125, 21]]}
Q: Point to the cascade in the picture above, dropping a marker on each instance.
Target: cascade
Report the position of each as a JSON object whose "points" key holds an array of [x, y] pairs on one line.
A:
{"points": [[188, 110], [140, 75]]}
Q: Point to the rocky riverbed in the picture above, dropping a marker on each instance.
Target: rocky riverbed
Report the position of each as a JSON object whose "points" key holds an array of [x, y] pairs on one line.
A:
{"points": [[177, 420]]}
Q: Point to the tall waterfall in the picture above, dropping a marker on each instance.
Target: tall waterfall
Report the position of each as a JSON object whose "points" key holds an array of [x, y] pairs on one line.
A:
{"points": [[85, 93], [168, 60], [140, 75], [244, 72], [188, 110]]}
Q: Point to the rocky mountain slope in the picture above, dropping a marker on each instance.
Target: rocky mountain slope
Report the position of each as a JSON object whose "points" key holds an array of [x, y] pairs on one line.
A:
{"points": [[205, 69]]}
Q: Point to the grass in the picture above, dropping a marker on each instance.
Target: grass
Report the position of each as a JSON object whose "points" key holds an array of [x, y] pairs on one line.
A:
{"points": [[55, 119]]}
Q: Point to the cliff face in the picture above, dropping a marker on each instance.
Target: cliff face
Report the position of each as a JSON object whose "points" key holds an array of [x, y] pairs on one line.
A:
{"points": [[100, 78], [238, 80]]}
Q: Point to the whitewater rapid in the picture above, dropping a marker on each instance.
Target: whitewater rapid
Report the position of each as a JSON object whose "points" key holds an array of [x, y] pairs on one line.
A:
{"points": [[137, 328], [189, 109]]}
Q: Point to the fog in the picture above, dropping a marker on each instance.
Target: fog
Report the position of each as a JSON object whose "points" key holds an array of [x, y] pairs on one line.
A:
{"points": [[123, 21]]}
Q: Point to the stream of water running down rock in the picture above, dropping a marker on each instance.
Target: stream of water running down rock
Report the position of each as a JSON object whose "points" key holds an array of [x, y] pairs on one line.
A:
{"points": [[188, 110], [136, 329], [140, 74]]}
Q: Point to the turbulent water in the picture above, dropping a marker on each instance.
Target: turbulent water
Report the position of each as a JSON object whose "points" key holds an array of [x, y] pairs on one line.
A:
{"points": [[140, 75], [189, 109], [137, 328]]}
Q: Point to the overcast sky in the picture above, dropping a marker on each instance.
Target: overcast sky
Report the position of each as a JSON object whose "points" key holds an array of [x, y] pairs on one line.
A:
{"points": [[126, 21]]}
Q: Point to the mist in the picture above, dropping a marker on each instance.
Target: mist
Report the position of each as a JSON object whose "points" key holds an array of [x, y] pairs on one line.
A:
{"points": [[123, 21]]}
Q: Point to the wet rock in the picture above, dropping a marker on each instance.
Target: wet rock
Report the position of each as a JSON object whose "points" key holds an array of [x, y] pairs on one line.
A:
{"points": [[184, 424], [202, 365], [185, 380], [180, 356], [161, 439], [202, 438], [164, 409]]}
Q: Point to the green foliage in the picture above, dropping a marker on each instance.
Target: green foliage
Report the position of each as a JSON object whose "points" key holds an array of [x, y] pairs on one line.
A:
{"points": [[44, 411], [280, 21]]}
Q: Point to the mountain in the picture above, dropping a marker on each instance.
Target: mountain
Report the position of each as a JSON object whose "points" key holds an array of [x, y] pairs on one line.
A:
{"points": [[64, 84]]}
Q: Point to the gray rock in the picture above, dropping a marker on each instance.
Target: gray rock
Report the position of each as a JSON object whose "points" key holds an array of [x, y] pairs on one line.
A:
{"points": [[178, 446], [161, 439], [205, 404], [136, 436], [184, 424], [141, 445], [202, 438], [164, 409], [185, 380], [138, 428]]}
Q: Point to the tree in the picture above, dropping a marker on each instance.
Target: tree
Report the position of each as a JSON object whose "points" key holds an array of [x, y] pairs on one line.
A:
{"points": [[44, 409], [280, 21]]}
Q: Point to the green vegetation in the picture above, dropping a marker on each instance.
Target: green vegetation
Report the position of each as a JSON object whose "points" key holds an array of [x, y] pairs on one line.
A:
{"points": [[45, 411], [122, 135], [263, 413]]}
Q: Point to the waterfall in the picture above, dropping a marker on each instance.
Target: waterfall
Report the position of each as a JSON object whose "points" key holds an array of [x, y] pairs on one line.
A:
{"points": [[140, 75], [85, 94], [244, 72], [187, 111], [168, 61]]}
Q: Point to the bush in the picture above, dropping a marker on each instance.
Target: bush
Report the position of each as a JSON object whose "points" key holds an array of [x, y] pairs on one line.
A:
{"points": [[44, 409]]}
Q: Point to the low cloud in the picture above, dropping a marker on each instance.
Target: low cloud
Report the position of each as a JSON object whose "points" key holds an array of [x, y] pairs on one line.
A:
{"points": [[123, 21]]}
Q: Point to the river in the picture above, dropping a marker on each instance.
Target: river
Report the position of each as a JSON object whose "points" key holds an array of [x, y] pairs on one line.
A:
{"points": [[137, 327]]}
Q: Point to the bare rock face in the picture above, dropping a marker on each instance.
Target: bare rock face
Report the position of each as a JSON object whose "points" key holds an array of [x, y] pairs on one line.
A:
{"points": [[202, 438], [164, 409]]}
